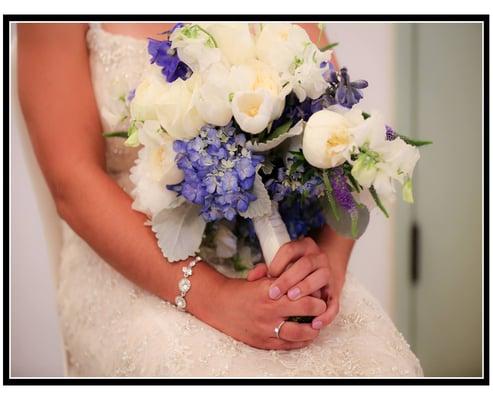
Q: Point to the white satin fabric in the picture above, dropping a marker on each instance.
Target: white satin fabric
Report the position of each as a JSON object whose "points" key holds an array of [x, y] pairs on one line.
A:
{"points": [[111, 327]]}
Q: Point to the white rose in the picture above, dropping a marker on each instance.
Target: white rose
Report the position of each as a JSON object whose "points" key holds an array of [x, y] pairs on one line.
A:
{"points": [[234, 40], [327, 140], [155, 168], [147, 95], [212, 99], [279, 44], [176, 110]]}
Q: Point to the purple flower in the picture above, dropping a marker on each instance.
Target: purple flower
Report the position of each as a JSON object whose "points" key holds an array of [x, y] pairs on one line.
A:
{"points": [[349, 93], [164, 56], [390, 133], [341, 189], [131, 95]]}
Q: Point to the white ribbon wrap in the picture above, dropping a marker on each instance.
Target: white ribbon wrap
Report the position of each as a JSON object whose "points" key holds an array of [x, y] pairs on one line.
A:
{"points": [[271, 232]]}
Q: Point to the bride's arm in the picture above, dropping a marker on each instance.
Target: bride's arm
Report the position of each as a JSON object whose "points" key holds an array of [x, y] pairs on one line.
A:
{"points": [[60, 110]]}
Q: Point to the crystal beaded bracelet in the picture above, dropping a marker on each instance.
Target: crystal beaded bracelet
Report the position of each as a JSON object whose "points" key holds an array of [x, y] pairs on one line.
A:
{"points": [[184, 285]]}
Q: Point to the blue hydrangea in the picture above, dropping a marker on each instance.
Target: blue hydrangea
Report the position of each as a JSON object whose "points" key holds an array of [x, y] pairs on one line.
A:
{"points": [[219, 172]]}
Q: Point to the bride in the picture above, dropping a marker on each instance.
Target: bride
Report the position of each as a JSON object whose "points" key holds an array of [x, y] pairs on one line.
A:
{"points": [[115, 289]]}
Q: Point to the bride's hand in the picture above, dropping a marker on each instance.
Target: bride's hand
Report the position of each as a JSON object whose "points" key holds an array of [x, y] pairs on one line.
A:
{"points": [[303, 269], [249, 315]]}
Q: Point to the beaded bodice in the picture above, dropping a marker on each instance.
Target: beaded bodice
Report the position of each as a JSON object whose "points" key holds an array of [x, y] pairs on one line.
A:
{"points": [[117, 64]]}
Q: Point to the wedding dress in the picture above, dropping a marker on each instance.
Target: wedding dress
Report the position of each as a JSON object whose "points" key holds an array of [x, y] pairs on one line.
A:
{"points": [[111, 327]]}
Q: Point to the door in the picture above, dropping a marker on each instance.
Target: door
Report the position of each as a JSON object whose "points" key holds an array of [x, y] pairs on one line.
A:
{"points": [[439, 97]]}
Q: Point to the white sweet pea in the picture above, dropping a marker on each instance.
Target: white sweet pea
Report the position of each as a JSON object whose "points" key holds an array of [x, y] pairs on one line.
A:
{"points": [[258, 96], [306, 73], [381, 162], [278, 44], [155, 168], [234, 40], [176, 110], [327, 140], [212, 98], [196, 47]]}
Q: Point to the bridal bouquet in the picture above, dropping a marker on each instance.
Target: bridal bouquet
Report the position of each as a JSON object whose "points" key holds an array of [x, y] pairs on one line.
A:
{"points": [[250, 137]]}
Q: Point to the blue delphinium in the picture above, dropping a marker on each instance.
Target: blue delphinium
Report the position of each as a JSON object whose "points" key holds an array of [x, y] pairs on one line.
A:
{"points": [[390, 133], [219, 172], [167, 58], [298, 193], [349, 93]]}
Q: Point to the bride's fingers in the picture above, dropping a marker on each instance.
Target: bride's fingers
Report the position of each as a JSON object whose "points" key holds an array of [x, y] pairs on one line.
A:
{"points": [[259, 271], [306, 306], [297, 273], [315, 281], [328, 316], [289, 253], [295, 332]]}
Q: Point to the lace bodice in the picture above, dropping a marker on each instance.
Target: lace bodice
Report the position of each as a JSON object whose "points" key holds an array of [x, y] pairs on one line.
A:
{"points": [[117, 65]]}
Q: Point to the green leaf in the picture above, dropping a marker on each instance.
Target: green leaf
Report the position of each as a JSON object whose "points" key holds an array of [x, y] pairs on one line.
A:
{"points": [[378, 202], [351, 225], [120, 134], [330, 198], [413, 142], [365, 115], [329, 46], [280, 130]]}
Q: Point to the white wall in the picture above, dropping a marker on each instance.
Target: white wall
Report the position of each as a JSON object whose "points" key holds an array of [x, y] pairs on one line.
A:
{"points": [[36, 343], [368, 52]]}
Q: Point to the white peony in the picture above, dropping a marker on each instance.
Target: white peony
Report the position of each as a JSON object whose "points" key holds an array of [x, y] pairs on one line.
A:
{"points": [[258, 96], [212, 97], [195, 46], [154, 169], [327, 140], [234, 40], [278, 44], [176, 109]]}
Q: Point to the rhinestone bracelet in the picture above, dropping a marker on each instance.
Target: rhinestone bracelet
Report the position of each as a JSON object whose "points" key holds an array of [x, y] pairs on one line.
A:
{"points": [[184, 285]]}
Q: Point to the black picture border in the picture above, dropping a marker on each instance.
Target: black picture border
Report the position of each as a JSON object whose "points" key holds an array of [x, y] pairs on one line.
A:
{"points": [[10, 18]]}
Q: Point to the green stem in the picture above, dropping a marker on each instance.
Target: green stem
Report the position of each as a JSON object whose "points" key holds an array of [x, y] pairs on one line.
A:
{"points": [[208, 34], [330, 198], [120, 134], [329, 46]]}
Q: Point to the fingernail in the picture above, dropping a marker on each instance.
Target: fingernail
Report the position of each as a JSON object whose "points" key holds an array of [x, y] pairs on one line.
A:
{"points": [[294, 293], [317, 324], [274, 292]]}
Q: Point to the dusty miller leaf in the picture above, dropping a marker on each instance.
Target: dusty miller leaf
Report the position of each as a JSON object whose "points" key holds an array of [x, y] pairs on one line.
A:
{"points": [[276, 141], [179, 231], [262, 205]]}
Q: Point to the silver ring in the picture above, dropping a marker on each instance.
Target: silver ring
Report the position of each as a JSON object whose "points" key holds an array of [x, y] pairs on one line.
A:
{"points": [[277, 329]]}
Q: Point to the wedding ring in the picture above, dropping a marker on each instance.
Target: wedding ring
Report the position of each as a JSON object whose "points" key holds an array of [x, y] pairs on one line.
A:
{"points": [[277, 329]]}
